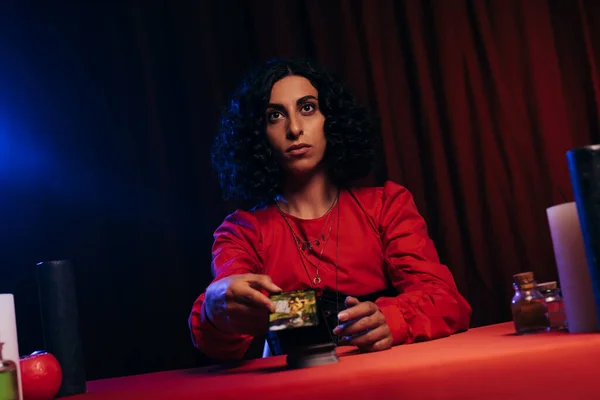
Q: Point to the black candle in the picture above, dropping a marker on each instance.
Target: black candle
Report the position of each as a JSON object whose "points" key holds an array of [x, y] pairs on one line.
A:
{"points": [[60, 323], [584, 168]]}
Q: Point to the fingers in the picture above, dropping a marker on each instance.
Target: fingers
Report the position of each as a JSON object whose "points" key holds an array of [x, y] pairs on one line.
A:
{"points": [[383, 344], [361, 324], [351, 301], [262, 282], [247, 291], [378, 346], [253, 298], [357, 311], [376, 340], [240, 303]]}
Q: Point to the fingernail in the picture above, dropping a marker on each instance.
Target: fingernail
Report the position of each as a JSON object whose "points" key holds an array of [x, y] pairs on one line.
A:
{"points": [[343, 316], [337, 330]]}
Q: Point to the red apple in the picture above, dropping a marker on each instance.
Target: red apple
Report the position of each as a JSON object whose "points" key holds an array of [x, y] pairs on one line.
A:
{"points": [[41, 376]]}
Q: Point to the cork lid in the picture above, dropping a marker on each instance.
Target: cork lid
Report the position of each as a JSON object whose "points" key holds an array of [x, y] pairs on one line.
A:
{"points": [[524, 280], [544, 286]]}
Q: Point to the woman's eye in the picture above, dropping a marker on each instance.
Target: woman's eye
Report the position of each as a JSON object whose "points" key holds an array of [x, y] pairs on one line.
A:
{"points": [[274, 115], [308, 107]]}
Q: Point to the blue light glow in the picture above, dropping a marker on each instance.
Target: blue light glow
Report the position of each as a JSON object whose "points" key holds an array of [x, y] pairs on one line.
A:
{"points": [[22, 161]]}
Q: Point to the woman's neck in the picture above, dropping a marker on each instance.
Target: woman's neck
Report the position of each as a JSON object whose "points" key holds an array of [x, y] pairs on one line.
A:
{"points": [[309, 199]]}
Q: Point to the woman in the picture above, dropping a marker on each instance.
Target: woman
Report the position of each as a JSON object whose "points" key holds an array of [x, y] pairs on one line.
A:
{"points": [[294, 140]]}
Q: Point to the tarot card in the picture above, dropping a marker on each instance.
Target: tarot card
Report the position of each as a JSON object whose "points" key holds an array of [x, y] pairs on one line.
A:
{"points": [[297, 309]]}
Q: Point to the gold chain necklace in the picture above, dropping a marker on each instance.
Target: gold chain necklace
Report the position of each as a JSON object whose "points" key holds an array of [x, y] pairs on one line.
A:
{"points": [[317, 279], [308, 244]]}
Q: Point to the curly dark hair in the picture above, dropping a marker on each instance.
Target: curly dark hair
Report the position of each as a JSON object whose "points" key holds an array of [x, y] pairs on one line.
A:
{"points": [[242, 156]]}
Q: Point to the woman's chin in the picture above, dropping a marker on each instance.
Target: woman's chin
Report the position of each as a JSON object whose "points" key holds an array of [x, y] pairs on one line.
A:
{"points": [[302, 171]]}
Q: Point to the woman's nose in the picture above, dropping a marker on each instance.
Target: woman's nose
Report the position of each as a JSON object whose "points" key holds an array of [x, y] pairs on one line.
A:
{"points": [[294, 127]]}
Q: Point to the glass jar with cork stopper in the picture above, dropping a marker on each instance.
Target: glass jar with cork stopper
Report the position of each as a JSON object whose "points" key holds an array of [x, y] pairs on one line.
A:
{"points": [[529, 309], [554, 301]]}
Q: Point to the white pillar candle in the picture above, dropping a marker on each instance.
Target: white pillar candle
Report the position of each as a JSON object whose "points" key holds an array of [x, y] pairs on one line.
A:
{"points": [[573, 272], [8, 334]]}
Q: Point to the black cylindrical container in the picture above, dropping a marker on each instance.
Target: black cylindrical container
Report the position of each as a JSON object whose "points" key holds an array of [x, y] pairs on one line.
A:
{"points": [[584, 168], [60, 323]]}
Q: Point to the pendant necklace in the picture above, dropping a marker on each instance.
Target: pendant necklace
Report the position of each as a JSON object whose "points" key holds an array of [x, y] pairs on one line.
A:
{"points": [[307, 244]]}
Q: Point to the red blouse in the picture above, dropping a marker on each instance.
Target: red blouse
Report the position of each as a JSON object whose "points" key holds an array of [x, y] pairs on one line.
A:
{"points": [[382, 241]]}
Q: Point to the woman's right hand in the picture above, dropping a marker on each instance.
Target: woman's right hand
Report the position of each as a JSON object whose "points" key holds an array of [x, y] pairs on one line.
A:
{"points": [[235, 303]]}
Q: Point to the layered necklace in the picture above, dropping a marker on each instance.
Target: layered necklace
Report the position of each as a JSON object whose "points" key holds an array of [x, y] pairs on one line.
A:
{"points": [[307, 245], [304, 246]]}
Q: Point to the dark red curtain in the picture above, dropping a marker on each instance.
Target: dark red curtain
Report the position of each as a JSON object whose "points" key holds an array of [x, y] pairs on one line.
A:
{"points": [[478, 103], [478, 100]]}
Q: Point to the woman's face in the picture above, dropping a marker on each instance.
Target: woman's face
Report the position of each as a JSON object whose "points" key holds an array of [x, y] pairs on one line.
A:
{"points": [[295, 125]]}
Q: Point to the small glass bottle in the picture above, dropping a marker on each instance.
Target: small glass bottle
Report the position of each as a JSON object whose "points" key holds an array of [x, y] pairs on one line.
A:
{"points": [[529, 307], [556, 307]]}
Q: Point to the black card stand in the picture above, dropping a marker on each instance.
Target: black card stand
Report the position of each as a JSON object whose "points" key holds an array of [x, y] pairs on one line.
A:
{"points": [[312, 356], [584, 168], [60, 323]]}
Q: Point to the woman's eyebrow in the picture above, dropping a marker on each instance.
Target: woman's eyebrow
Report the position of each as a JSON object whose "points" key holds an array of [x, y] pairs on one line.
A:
{"points": [[301, 100]]}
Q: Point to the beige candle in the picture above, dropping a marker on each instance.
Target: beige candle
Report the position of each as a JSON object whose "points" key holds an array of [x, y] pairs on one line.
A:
{"points": [[573, 271]]}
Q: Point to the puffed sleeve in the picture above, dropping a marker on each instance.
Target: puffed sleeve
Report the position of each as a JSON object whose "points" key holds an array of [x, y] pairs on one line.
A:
{"points": [[236, 250], [429, 305]]}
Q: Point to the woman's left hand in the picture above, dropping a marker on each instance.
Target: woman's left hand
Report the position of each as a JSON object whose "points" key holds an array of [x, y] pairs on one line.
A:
{"points": [[364, 326]]}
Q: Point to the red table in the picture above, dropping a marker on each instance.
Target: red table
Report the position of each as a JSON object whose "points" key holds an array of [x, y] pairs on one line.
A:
{"points": [[483, 363]]}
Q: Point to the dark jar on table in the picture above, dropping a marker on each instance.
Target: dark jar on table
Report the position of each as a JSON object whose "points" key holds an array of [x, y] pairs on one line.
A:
{"points": [[529, 308]]}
